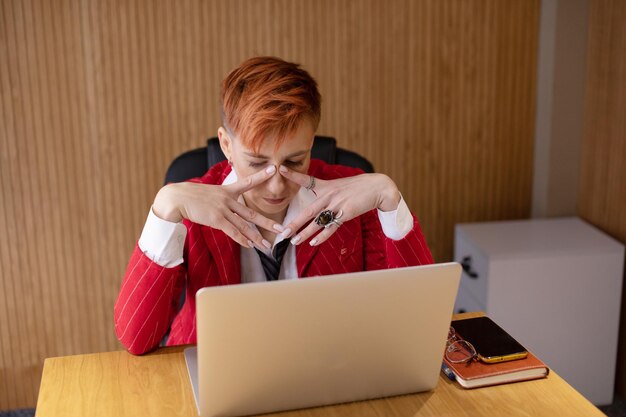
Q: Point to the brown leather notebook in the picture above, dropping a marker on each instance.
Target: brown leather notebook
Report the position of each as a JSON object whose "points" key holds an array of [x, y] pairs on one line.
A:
{"points": [[478, 374]]}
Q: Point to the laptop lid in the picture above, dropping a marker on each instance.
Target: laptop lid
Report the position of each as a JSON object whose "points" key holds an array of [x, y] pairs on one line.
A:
{"points": [[281, 345]]}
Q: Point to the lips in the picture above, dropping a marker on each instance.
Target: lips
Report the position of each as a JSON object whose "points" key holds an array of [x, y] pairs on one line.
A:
{"points": [[274, 201]]}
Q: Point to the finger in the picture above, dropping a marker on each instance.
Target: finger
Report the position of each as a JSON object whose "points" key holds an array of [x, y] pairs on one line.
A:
{"points": [[306, 233], [256, 218], [248, 231], [308, 213], [233, 232], [324, 234], [244, 184], [303, 180]]}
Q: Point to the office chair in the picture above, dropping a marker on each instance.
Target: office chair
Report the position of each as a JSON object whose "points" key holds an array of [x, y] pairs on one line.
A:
{"points": [[196, 162]]}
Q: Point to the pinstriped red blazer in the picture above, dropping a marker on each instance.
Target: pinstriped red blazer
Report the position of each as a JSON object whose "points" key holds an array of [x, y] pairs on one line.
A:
{"points": [[148, 298]]}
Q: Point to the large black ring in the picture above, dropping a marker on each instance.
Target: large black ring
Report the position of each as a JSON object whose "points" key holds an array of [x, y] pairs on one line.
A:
{"points": [[326, 219]]}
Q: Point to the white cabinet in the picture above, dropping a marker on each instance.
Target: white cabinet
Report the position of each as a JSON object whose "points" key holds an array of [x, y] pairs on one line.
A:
{"points": [[555, 285]]}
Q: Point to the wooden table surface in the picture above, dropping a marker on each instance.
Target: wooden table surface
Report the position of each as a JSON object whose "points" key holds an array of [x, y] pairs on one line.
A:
{"points": [[157, 384]]}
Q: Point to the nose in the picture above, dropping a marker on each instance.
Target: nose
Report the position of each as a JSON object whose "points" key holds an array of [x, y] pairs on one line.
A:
{"points": [[276, 185]]}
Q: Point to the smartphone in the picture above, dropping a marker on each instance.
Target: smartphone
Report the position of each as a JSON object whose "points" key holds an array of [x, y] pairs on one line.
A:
{"points": [[492, 343]]}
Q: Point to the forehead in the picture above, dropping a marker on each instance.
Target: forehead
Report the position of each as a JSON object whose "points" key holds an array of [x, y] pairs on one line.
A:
{"points": [[299, 140]]}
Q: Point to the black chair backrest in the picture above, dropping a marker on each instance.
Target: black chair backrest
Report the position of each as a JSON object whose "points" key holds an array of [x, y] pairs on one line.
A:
{"points": [[196, 162]]}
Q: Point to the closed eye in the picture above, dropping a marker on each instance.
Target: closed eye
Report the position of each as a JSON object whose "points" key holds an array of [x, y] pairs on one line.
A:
{"points": [[256, 164], [294, 163]]}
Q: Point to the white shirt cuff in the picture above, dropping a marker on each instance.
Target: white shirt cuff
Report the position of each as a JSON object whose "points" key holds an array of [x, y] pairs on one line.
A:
{"points": [[163, 241], [398, 223]]}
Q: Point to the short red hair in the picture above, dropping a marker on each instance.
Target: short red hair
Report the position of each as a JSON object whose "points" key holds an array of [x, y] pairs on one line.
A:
{"points": [[267, 96]]}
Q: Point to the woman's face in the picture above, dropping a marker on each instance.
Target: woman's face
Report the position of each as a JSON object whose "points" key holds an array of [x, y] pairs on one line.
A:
{"points": [[272, 197]]}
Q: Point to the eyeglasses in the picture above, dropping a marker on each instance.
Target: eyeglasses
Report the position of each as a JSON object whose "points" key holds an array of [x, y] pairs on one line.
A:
{"points": [[459, 350]]}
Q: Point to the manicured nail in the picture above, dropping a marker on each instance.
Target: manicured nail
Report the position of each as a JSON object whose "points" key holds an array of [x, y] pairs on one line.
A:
{"points": [[283, 169], [279, 227], [250, 244], [313, 242], [295, 240], [285, 234], [271, 169], [266, 244]]}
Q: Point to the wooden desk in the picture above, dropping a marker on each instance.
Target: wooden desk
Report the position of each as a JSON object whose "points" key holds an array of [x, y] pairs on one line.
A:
{"points": [[120, 384]]}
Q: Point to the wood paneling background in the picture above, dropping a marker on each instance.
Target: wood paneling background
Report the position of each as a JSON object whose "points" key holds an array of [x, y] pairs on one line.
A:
{"points": [[96, 98], [602, 197]]}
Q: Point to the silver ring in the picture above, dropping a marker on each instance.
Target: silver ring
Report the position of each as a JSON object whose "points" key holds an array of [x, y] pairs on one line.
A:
{"points": [[335, 222], [311, 183]]}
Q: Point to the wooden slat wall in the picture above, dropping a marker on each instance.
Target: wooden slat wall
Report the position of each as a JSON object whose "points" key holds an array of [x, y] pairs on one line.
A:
{"points": [[96, 98], [602, 197]]}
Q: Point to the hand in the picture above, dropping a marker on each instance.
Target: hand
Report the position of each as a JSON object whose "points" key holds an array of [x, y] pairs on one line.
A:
{"points": [[217, 206], [346, 197]]}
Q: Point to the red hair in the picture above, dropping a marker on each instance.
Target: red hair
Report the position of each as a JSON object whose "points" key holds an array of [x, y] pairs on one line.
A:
{"points": [[267, 96]]}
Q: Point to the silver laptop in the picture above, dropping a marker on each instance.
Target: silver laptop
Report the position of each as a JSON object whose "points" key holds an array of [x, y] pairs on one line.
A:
{"points": [[281, 345]]}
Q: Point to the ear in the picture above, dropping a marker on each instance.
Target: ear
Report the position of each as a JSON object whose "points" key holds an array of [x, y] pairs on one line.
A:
{"points": [[226, 142]]}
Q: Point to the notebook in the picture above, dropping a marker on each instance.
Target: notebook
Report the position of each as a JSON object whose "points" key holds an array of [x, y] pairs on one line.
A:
{"points": [[475, 374], [274, 346]]}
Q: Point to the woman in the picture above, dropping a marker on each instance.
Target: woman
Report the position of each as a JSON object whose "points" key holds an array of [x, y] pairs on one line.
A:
{"points": [[227, 226]]}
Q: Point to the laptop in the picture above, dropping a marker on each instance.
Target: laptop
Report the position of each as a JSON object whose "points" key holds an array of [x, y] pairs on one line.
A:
{"points": [[282, 345]]}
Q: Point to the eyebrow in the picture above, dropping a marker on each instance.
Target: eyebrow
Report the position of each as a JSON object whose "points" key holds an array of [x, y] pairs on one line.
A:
{"points": [[254, 155]]}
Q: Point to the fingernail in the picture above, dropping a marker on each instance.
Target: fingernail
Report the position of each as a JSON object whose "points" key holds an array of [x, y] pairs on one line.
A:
{"points": [[283, 169], [278, 227], [286, 233], [313, 242], [250, 244], [266, 244], [295, 240], [271, 169]]}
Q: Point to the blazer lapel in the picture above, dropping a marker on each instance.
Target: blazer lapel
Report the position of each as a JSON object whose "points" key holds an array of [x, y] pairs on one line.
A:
{"points": [[226, 253], [339, 256], [304, 256]]}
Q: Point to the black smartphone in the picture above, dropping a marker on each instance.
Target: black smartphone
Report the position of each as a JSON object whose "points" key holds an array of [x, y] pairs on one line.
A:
{"points": [[492, 343]]}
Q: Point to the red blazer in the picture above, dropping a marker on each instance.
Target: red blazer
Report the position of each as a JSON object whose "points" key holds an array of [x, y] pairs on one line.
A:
{"points": [[148, 298]]}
